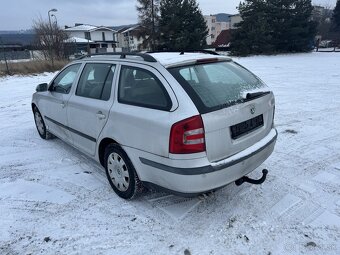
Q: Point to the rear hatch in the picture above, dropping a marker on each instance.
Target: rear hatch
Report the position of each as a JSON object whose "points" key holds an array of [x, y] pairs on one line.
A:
{"points": [[236, 107]]}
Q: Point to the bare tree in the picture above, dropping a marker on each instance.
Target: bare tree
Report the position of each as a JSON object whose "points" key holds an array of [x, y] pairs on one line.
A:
{"points": [[50, 39], [322, 15]]}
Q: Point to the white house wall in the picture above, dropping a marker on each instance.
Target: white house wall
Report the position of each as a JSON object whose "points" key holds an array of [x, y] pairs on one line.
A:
{"points": [[234, 20], [136, 43], [79, 34], [97, 35], [210, 21]]}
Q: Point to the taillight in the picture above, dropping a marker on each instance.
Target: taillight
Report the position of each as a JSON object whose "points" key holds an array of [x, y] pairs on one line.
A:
{"points": [[187, 136]]}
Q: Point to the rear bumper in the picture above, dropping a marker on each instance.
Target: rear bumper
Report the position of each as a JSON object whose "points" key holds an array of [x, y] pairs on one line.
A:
{"points": [[179, 177]]}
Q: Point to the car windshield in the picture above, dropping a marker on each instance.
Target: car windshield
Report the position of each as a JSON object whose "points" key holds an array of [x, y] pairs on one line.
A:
{"points": [[216, 85]]}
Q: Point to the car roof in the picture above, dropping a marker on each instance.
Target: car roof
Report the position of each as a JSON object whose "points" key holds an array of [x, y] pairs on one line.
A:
{"points": [[167, 59]]}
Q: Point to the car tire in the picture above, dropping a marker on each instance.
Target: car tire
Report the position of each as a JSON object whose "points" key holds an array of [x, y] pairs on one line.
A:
{"points": [[121, 173], [40, 125]]}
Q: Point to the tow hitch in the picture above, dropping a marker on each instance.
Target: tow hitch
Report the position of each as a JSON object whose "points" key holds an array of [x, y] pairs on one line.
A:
{"points": [[252, 181]]}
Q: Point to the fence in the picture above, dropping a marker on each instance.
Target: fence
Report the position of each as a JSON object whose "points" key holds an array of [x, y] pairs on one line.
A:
{"points": [[328, 50], [15, 55]]}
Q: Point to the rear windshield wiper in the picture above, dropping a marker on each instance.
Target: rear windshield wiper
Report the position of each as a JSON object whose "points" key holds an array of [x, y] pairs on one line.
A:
{"points": [[251, 96]]}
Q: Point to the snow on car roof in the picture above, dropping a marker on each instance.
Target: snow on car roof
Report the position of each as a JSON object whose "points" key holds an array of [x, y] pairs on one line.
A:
{"points": [[169, 59]]}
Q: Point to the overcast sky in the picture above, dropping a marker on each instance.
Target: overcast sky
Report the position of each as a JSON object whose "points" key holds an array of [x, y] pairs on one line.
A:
{"points": [[19, 14]]}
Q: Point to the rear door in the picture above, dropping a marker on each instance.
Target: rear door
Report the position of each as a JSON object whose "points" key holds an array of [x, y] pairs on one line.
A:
{"points": [[236, 107], [143, 110], [88, 108]]}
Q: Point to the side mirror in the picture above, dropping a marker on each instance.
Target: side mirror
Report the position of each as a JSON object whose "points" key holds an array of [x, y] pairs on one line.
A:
{"points": [[41, 87]]}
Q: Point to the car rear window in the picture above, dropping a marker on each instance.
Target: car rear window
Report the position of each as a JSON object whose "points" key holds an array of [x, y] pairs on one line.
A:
{"points": [[214, 86]]}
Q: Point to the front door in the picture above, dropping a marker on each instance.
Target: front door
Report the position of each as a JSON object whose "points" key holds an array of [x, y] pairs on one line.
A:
{"points": [[54, 105]]}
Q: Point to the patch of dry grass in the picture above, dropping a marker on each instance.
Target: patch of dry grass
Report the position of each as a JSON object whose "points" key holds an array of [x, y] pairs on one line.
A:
{"points": [[32, 67]]}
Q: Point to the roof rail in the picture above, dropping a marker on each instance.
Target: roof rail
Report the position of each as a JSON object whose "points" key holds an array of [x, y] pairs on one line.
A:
{"points": [[144, 56], [182, 52]]}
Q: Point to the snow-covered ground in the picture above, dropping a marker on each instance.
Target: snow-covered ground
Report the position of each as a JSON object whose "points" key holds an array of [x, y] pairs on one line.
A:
{"points": [[54, 200]]}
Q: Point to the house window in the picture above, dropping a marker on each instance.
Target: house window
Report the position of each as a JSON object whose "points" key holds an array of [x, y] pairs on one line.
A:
{"points": [[103, 35], [126, 36], [87, 35]]}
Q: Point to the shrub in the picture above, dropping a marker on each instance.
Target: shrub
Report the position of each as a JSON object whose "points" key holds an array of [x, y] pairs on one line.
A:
{"points": [[32, 67]]}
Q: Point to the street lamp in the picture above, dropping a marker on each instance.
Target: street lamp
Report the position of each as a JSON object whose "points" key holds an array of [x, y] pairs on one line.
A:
{"points": [[56, 21], [52, 10], [50, 45]]}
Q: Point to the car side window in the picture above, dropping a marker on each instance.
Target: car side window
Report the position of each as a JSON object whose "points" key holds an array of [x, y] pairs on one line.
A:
{"points": [[142, 88], [96, 81], [189, 75], [63, 82]]}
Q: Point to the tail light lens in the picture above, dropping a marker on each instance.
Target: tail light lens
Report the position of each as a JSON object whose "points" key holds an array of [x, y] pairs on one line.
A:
{"points": [[187, 136]]}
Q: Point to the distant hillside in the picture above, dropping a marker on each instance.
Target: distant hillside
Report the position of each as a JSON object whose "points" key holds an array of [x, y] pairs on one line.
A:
{"points": [[222, 17], [24, 39], [6, 32]]}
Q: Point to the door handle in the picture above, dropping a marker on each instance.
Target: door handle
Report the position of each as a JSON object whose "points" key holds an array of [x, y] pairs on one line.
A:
{"points": [[100, 115], [63, 104]]}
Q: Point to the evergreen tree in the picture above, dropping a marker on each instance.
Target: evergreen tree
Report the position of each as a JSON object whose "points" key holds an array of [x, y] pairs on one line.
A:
{"points": [[253, 33], [292, 28], [274, 26], [182, 25], [336, 17], [148, 17]]}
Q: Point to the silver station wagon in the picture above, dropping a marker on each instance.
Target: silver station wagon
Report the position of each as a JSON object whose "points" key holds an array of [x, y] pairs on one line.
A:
{"points": [[184, 122]]}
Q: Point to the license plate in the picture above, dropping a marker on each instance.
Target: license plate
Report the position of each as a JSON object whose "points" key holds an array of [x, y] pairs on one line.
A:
{"points": [[246, 127]]}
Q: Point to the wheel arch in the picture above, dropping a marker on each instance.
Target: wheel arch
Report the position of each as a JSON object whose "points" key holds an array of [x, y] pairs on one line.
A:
{"points": [[33, 105], [101, 148]]}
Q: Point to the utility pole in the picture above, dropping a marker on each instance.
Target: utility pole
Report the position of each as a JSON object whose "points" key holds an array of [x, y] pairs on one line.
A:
{"points": [[51, 36], [128, 33], [153, 27], [5, 58]]}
